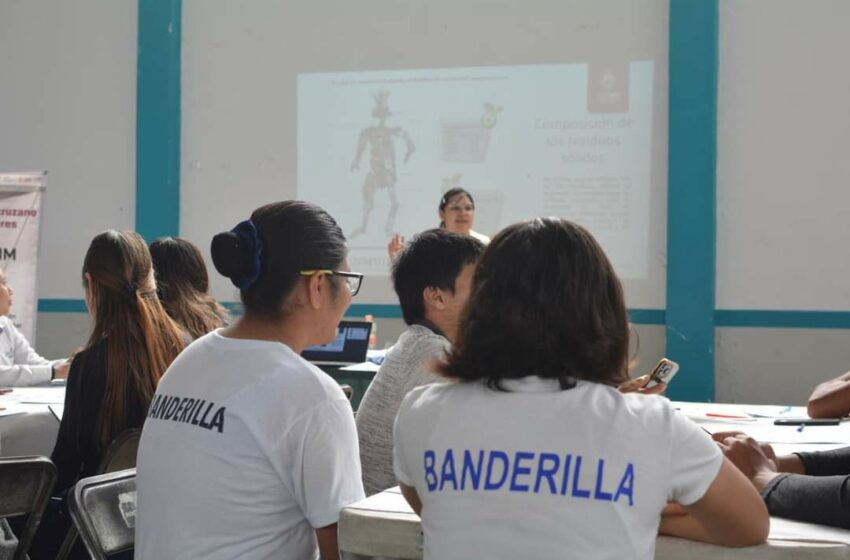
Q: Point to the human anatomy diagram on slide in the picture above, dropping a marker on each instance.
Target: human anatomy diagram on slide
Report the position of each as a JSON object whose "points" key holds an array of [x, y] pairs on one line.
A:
{"points": [[377, 149]]}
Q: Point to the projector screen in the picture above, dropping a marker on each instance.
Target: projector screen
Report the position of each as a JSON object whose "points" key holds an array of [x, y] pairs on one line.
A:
{"points": [[378, 149], [538, 108]]}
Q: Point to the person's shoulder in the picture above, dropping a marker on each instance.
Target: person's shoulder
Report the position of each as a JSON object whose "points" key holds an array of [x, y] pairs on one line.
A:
{"points": [[6, 322], [479, 236], [433, 394], [421, 340]]}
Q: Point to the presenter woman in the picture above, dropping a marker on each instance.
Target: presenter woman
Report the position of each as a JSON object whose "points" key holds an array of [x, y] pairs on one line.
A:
{"points": [[457, 214], [534, 453], [20, 365], [249, 451]]}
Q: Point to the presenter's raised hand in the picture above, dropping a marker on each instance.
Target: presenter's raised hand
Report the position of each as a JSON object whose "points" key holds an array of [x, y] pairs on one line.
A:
{"points": [[395, 246]]}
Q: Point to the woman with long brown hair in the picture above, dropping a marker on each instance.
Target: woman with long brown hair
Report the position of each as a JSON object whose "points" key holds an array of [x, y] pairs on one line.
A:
{"points": [[183, 284], [112, 380]]}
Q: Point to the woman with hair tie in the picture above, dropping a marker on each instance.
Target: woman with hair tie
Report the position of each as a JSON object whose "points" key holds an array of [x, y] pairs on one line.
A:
{"points": [[249, 451], [183, 286], [112, 380], [533, 452]]}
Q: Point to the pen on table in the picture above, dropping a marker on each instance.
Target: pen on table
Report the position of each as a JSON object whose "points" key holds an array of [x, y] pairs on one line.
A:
{"points": [[800, 427], [733, 416]]}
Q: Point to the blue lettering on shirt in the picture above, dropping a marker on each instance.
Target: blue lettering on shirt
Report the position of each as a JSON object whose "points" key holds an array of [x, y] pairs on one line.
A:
{"points": [[526, 472]]}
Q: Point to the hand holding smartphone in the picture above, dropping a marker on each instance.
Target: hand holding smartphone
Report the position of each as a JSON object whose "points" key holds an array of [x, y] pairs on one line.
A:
{"points": [[663, 373]]}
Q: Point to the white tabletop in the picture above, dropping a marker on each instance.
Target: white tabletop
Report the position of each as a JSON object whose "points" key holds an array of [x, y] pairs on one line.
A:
{"points": [[384, 524], [27, 426]]}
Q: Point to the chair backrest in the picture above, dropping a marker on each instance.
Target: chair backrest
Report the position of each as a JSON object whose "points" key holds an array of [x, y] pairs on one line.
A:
{"points": [[25, 486], [103, 508], [121, 453]]}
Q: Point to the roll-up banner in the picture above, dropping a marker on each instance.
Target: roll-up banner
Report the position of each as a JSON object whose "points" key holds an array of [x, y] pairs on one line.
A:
{"points": [[20, 221]]}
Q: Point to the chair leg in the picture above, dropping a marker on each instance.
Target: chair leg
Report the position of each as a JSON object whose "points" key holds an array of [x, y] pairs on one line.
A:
{"points": [[68, 543]]}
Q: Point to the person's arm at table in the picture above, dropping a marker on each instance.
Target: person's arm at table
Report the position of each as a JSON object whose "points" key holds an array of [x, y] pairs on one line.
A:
{"points": [[730, 513], [831, 399], [26, 367], [328, 546], [412, 497], [813, 499]]}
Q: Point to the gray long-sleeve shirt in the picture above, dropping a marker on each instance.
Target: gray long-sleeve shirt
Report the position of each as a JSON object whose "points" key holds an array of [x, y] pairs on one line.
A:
{"points": [[408, 365], [822, 495]]}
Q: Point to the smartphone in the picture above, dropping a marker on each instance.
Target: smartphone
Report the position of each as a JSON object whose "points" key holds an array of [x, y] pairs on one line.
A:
{"points": [[663, 373], [807, 421]]}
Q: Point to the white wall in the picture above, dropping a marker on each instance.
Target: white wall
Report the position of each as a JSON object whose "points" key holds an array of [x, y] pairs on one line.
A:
{"points": [[783, 191], [68, 105], [241, 59]]}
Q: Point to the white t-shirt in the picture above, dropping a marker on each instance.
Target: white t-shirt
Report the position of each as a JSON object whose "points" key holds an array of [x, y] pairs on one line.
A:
{"points": [[19, 363], [408, 365], [480, 237], [247, 449], [537, 472]]}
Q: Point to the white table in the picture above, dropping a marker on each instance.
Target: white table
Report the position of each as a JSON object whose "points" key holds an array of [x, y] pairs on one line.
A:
{"points": [[27, 426], [384, 524]]}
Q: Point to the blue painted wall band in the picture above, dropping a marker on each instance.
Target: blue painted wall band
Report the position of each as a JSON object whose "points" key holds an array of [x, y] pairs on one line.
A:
{"points": [[158, 118], [691, 226]]}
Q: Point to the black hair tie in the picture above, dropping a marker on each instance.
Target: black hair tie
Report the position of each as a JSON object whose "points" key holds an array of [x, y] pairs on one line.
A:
{"points": [[238, 253]]}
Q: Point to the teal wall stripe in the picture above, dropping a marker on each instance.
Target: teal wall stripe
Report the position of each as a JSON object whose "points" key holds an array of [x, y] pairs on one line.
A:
{"points": [[158, 118], [638, 316], [782, 319], [62, 306], [691, 195], [749, 318]]}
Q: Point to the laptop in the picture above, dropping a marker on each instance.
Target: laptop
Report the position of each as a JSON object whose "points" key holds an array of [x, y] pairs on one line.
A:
{"points": [[349, 347]]}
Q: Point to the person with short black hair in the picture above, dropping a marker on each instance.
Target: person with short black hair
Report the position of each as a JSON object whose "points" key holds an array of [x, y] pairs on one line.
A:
{"points": [[533, 452], [432, 278], [183, 286], [248, 450]]}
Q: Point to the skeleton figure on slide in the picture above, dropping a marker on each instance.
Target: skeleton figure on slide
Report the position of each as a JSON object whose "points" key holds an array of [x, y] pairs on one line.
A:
{"points": [[382, 169]]}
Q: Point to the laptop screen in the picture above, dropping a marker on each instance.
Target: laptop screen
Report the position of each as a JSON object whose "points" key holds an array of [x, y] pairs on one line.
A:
{"points": [[349, 347]]}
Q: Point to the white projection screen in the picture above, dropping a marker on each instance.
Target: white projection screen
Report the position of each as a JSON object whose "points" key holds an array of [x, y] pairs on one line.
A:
{"points": [[373, 109]]}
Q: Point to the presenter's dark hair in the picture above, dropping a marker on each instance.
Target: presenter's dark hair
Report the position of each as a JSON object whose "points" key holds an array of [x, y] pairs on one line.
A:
{"points": [[183, 285], [451, 194], [295, 236], [433, 259], [545, 301]]}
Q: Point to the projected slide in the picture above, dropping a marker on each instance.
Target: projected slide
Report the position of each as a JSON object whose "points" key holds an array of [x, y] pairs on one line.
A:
{"points": [[377, 149]]}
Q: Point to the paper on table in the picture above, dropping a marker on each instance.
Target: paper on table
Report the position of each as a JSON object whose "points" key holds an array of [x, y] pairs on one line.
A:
{"points": [[37, 395], [11, 411], [768, 433]]}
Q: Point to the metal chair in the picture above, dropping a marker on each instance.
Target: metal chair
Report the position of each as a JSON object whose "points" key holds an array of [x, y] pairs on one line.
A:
{"points": [[103, 508], [25, 486], [120, 455]]}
